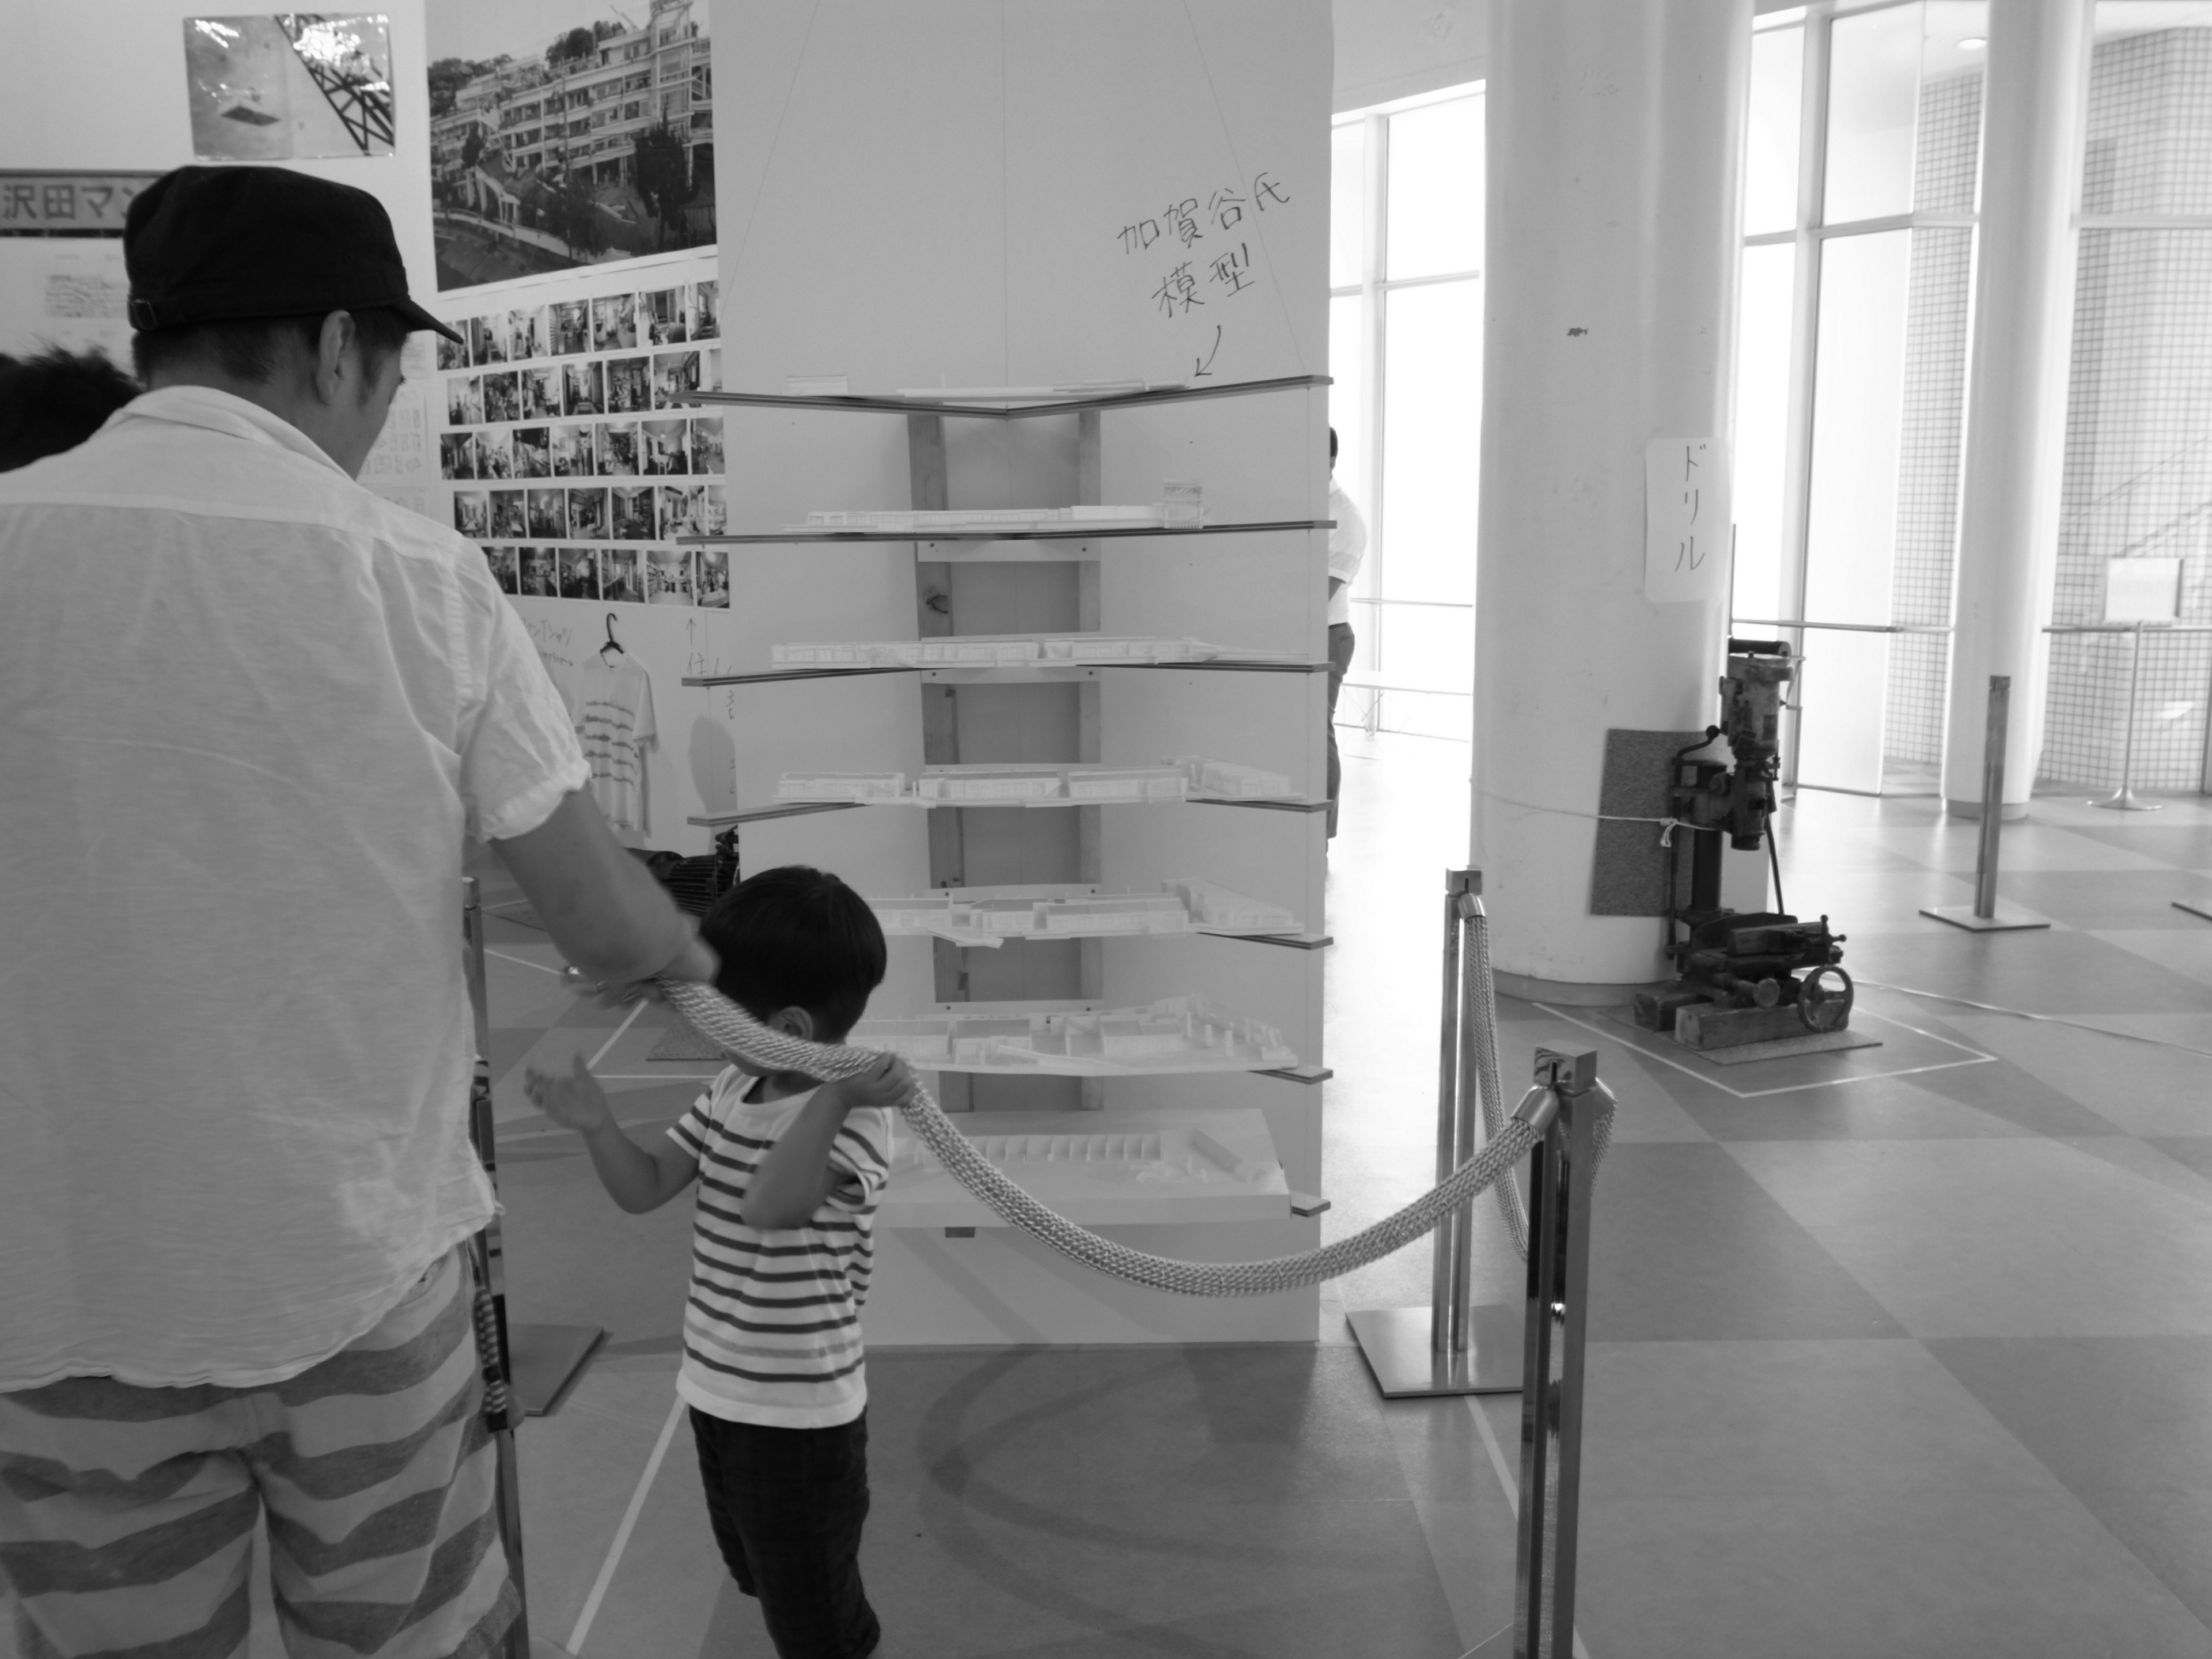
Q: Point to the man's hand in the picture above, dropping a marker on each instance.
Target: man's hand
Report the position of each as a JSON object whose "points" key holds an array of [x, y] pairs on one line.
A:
{"points": [[886, 1083], [696, 961], [575, 1102]]}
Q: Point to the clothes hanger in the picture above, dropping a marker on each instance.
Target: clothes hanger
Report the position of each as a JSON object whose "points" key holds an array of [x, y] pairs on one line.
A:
{"points": [[612, 644]]}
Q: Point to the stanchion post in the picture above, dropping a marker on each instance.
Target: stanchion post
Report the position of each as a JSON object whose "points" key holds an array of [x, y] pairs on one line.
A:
{"points": [[1449, 1288], [1450, 1346], [1564, 1108], [501, 1409], [1983, 917]]}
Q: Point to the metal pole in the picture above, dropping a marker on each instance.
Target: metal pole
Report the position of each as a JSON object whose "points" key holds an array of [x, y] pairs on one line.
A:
{"points": [[1982, 917], [1450, 1346], [2124, 798], [1993, 754], [1449, 1276], [500, 1412], [1565, 1106]]}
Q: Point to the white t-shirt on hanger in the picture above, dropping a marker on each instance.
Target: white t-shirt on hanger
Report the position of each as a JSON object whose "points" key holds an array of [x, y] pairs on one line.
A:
{"points": [[613, 707]]}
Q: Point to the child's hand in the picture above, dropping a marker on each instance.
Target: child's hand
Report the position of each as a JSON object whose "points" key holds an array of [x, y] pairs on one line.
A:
{"points": [[886, 1083], [574, 1101]]}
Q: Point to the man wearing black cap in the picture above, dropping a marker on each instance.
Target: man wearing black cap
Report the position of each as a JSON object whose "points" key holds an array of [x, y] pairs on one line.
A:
{"points": [[252, 711]]}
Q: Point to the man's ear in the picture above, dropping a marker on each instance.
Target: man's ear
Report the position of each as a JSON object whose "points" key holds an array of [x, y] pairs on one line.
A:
{"points": [[795, 1021], [333, 369]]}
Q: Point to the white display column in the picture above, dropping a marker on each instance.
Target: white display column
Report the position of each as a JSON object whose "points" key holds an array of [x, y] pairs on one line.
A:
{"points": [[2034, 103], [1615, 130]]}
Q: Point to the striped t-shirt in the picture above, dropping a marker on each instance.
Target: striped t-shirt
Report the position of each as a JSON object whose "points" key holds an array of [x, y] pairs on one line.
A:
{"points": [[772, 1327]]}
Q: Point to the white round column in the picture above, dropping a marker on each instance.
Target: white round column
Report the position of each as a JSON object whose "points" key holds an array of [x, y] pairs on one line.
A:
{"points": [[1614, 139], [2035, 101]]}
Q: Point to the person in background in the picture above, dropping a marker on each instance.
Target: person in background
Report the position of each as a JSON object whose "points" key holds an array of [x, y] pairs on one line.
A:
{"points": [[54, 401], [1347, 546], [253, 714]]}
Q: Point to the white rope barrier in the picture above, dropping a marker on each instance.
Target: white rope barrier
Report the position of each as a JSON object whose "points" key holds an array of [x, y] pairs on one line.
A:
{"points": [[738, 1034]]}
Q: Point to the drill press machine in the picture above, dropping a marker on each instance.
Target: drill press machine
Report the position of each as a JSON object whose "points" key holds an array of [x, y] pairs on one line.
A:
{"points": [[1741, 978]]}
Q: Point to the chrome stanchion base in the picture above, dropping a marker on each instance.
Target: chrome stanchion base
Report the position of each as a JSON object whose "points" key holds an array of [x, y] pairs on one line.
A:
{"points": [[543, 1360], [2124, 799], [2008, 919], [1395, 1341]]}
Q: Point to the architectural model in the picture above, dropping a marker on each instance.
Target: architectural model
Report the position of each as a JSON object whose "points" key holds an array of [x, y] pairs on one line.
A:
{"points": [[1011, 785], [1175, 1156], [990, 916], [912, 521], [1005, 651], [1181, 1034]]}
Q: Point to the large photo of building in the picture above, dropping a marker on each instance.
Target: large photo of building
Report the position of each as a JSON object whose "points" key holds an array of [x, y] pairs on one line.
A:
{"points": [[558, 138]]}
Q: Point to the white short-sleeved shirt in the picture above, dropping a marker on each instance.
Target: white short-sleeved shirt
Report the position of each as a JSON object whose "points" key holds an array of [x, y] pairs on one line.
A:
{"points": [[248, 712], [772, 1326], [1347, 549]]}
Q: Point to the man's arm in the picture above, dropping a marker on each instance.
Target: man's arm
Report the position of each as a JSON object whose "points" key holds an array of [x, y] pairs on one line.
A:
{"points": [[605, 912]]}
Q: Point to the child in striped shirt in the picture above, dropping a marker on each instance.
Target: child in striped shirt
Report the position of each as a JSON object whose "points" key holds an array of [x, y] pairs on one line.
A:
{"points": [[789, 1171]]}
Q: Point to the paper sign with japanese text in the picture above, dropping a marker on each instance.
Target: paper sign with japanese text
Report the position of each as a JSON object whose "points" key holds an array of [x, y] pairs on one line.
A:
{"points": [[1685, 519]]}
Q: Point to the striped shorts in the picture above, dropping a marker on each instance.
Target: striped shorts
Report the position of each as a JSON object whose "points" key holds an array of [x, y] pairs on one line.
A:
{"points": [[127, 1514]]}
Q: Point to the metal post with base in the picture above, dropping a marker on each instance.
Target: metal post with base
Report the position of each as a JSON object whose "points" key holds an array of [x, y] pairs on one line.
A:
{"points": [[542, 1359], [1566, 1106], [2124, 798], [1985, 914], [1450, 1346]]}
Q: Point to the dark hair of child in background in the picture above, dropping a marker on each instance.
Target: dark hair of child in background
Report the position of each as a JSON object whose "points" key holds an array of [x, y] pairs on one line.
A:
{"points": [[54, 401]]}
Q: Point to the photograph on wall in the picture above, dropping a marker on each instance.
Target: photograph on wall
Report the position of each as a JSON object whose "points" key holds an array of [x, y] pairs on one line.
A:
{"points": [[501, 399], [579, 572], [452, 354], [715, 578], [668, 575], [487, 339], [678, 511], [614, 322], [288, 86], [664, 449], [509, 523], [705, 310], [588, 512], [464, 401], [566, 133], [632, 509], [660, 317], [618, 449], [582, 390], [675, 378], [539, 579], [571, 324], [541, 393], [533, 457], [528, 334], [572, 452], [503, 563], [549, 513], [456, 456], [706, 445], [495, 454], [472, 514], [714, 512], [618, 578], [628, 390]]}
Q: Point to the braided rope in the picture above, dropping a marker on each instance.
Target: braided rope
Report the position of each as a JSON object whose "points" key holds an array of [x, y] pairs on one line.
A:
{"points": [[730, 1029]]}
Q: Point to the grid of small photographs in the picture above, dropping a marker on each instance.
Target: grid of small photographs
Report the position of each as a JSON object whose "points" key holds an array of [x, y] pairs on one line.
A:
{"points": [[574, 418]]}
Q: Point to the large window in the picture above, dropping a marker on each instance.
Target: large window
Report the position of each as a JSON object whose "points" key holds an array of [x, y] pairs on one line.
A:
{"points": [[1862, 163], [1405, 241]]}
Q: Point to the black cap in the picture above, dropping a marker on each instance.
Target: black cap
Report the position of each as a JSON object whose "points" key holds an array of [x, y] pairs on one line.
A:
{"points": [[206, 245]]}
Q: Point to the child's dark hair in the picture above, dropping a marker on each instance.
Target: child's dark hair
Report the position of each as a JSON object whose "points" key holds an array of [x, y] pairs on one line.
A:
{"points": [[797, 938], [54, 401]]}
